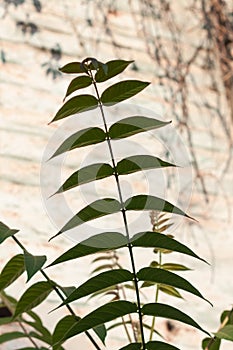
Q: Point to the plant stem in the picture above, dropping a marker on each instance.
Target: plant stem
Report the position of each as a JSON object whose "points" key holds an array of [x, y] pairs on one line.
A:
{"points": [[126, 330], [121, 288], [58, 292], [156, 300], [123, 210], [118, 288], [19, 243], [130, 317], [28, 335]]}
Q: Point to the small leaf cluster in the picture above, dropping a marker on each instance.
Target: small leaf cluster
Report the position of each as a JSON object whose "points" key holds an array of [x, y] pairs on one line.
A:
{"points": [[225, 332]]}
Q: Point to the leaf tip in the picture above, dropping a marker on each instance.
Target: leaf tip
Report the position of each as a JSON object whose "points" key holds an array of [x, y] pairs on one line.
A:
{"points": [[47, 160], [54, 309], [191, 218], [50, 239], [53, 194], [209, 302], [52, 156], [51, 121], [47, 266]]}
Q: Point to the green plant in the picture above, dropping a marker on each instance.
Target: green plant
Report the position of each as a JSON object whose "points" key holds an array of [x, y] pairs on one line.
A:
{"points": [[92, 72]]}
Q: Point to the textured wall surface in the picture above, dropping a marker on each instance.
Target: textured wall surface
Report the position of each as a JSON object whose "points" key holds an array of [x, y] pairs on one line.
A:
{"points": [[170, 49]]}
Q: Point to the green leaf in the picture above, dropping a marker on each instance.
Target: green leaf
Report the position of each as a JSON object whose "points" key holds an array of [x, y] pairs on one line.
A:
{"points": [[133, 125], [78, 83], [44, 335], [169, 278], [101, 281], [35, 317], [67, 290], [104, 67], [84, 137], [164, 288], [105, 256], [150, 239], [105, 291], [122, 91], [105, 241], [9, 301], [146, 202], [132, 346], [147, 284], [115, 240], [39, 327], [103, 267], [215, 343], [167, 311], [174, 267], [11, 271], [96, 209], [225, 333], [103, 314], [76, 104], [112, 68], [5, 337], [33, 263], [41, 337], [62, 328], [6, 232], [141, 162], [229, 315], [33, 296], [101, 242], [87, 174], [101, 332], [72, 68], [158, 345], [5, 320], [170, 291]]}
